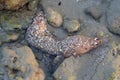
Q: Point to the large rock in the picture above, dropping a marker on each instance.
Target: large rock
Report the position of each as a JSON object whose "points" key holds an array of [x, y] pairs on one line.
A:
{"points": [[113, 17], [12, 4], [100, 64], [18, 63]]}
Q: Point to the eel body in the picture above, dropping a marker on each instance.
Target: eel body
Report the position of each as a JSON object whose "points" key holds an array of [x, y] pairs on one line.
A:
{"points": [[38, 36]]}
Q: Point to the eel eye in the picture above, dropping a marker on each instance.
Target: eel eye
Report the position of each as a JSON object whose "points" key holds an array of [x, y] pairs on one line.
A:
{"points": [[96, 43], [96, 39]]}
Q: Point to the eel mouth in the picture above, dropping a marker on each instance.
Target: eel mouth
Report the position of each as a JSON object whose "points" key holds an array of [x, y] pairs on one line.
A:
{"points": [[97, 42]]}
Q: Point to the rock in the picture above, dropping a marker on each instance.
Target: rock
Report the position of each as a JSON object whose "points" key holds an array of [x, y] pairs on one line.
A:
{"points": [[0, 42], [113, 17], [7, 37], [94, 11], [99, 64], [18, 63], [93, 28], [15, 20], [33, 5], [71, 25], [54, 17], [12, 4], [57, 32], [1, 6]]}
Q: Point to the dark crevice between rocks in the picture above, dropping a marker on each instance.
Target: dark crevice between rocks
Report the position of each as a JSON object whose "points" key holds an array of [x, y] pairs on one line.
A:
{"points": [[59, 3], [49, 62]]}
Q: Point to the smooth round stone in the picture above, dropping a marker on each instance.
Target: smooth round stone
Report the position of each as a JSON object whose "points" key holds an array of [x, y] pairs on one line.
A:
{"points": [[53, 17], [71, 25]]}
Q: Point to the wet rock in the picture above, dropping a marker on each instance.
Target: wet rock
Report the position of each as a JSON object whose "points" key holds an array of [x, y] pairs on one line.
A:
{"points": [[18, 63], [113, 17], [12, 4], [7, 37], [71, 25], [57, 32], [94, 11], [93, 28], [1, 6], [33, 5], [0, 42], [15, 20], [54, 17], [97, 65]]}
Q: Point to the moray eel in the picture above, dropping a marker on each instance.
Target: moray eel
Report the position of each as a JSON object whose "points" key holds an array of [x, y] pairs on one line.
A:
{"points": [[38, 36]]}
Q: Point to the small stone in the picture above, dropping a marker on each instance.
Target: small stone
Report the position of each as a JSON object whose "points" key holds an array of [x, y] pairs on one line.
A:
{"points": [[71, 25], [19, 78], [94, 11], [54, 17], [33, 5]]}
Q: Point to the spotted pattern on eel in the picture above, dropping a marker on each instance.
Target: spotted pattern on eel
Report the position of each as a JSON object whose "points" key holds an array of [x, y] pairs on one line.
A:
{"points": [[38, 36]]}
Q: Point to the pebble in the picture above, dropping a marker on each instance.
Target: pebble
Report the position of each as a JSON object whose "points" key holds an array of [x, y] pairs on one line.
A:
{"points": [[33, 5], [71, 25], [53, 17], [94, 11]]}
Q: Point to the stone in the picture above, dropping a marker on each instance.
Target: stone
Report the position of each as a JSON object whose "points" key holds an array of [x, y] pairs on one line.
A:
{"points": [[11, 21], [99, 64], [19, 63], [33, 5], [71, 25], [0, 42], [53, 17], [95, 11], [1, 6], [7, 37], [93, 28], [113, 17], [12, 4]]}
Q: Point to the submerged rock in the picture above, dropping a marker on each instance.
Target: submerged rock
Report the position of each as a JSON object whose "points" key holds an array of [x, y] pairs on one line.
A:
{"points": [[100, 64], [0, 42], [94, 11], [71, 25], [33, 5], [12, 4], [7, 37], [54, 17], [113, 17], [15, 20], [18, 63]]}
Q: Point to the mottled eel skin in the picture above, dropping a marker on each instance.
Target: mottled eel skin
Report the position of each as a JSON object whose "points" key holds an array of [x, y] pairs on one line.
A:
{"points": [[38, 36]]}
